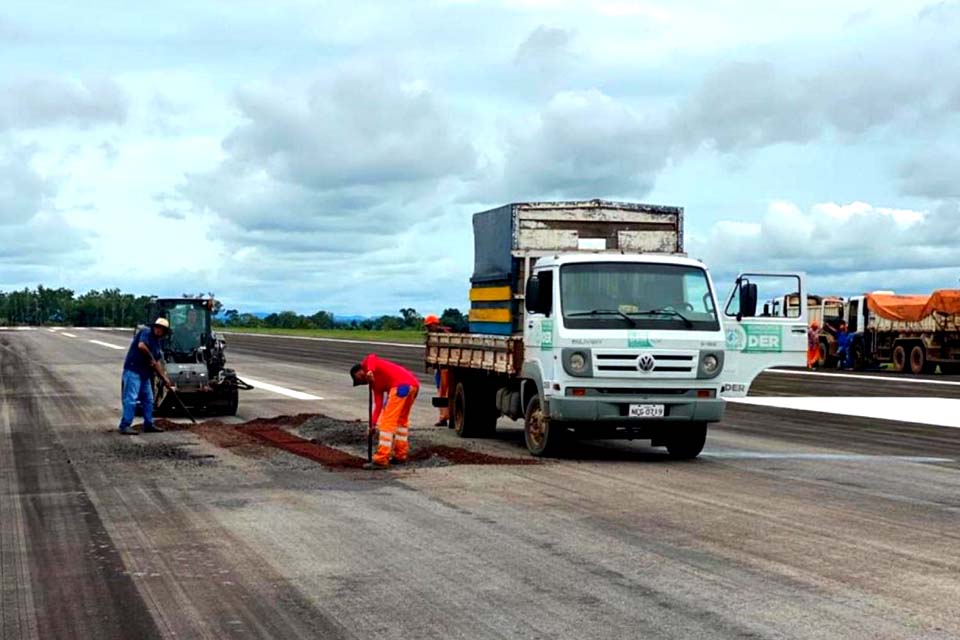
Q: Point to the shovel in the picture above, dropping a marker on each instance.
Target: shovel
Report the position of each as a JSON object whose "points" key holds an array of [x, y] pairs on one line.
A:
{"points": [[370, 425], [176, 397]]}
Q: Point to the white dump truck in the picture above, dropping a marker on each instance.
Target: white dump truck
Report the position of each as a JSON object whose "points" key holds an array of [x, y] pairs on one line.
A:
{"points": [[587, 320]]}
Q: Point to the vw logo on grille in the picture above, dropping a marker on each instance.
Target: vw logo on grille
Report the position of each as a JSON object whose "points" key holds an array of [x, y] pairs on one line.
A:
{"points": [[646, 363]]}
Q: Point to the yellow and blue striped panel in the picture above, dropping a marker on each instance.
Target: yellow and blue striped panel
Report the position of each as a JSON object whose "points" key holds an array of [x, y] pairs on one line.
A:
{"points": [[491, 294], [491, 315]]}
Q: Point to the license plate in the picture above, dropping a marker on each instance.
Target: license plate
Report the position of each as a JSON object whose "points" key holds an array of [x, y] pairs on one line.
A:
{"points": [[646, 411]]}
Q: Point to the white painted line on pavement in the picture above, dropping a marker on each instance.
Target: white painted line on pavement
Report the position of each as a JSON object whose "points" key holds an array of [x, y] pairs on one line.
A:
{"points": [[405, 345], [940, 412], [855, 376], [69, 335], [106, 344], [52, 330], [283, 391], [841, 457]]}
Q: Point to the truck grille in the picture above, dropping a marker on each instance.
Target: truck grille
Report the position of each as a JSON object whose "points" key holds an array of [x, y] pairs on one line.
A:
{"points": [[644, 364]]}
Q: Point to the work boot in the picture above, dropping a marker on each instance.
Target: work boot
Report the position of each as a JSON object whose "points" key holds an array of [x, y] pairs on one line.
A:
{"points": [[398, 461], [152, 429], [126, 431], [371, 466], [441, 423]]}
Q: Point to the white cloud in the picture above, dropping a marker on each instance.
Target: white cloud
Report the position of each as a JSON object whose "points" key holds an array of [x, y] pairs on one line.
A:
{"points": [[847, 247]]}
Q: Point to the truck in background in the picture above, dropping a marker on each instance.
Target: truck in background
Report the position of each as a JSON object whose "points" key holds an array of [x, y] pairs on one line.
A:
{"points": [[588, 321], [914, 333]]}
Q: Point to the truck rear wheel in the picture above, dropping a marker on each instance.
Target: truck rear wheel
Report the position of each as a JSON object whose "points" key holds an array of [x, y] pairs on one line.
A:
{"points": [[474, 410], [543, 439], [686, 442], [826, 361], [918, 361], [899, 358]]}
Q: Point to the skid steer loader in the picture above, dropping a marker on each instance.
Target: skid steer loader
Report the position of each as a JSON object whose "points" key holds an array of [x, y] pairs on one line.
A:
{"points": [[194, 358]]}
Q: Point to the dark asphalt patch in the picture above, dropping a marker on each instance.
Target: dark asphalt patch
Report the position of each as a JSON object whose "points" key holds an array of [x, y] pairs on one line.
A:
{"points": [[319, 438]]}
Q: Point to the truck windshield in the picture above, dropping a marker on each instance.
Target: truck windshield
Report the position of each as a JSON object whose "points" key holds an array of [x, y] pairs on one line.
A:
{"points": [[613, 295]]}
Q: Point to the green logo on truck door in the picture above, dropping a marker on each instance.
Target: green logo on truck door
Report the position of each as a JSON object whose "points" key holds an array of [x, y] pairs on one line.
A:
{"points": [[546, 337], [755, 338]]}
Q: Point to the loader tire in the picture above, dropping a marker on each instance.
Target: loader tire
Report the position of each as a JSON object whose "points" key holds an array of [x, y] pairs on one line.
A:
{"points": [[231, 401]]}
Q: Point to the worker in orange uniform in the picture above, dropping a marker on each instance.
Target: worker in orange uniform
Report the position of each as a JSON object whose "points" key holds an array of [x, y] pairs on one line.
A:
{"points": [[433, 325], [393, 419], [813, 345]]}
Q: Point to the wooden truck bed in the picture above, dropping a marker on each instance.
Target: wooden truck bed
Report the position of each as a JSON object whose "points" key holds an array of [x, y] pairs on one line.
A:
{"points": [[498, 354]]}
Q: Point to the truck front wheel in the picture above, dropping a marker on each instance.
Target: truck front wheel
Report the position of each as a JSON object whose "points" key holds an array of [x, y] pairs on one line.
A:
{"points": [[686, 442], [543, 439]]}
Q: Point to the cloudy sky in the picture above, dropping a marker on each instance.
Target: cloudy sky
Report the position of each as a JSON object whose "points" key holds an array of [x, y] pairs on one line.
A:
{"points": [[306, 155]]}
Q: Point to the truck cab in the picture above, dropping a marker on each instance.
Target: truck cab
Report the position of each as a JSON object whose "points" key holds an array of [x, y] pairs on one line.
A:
{"points": [[588, 320]]}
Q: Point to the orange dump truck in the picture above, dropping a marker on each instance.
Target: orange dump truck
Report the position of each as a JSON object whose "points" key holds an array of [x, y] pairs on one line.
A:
{"points": [[915, 333]]}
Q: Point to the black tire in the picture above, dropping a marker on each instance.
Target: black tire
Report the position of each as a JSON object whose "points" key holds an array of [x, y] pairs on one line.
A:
{"points": [[918, 361], [543, 439], [473, 410], [826, 360], [686, 442], [900, 359], [231, 401]]}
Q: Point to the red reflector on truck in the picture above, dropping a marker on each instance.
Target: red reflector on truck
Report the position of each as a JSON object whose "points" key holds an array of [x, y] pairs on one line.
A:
{"points": [[578, 392], [706, 393]]}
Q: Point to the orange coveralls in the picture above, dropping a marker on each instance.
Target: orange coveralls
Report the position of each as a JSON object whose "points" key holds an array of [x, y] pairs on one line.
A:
{"points": [[393, 418]]}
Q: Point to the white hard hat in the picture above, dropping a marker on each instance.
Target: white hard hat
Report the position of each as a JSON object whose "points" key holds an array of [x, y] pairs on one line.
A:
{"points": [[162, 322]]}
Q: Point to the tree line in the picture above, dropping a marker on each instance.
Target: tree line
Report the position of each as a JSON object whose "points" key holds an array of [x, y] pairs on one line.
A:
{"points": [[113, 308], [408, 319]]}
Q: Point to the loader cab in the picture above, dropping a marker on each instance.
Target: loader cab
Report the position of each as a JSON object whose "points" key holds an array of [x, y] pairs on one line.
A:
{"points": [[190, 325]]}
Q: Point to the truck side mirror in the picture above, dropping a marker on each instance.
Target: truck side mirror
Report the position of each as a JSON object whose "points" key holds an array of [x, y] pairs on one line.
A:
{"points": [[532, 295], [748, 299]]}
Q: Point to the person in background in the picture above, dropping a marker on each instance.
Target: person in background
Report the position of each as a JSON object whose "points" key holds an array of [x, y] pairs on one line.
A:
{"points": [[813, 345], [393, 416], [143, 358], [844, 339], [433, 325]]}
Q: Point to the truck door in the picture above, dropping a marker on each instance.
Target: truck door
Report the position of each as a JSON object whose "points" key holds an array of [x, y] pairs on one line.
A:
{"points": [[756, 339], [539, 329]]}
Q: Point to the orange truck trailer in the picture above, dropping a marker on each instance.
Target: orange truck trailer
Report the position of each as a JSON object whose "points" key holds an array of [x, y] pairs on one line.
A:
{"points": [[915, 333]]}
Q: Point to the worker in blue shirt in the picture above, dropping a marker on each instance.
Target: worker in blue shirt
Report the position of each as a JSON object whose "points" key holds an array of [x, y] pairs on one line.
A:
{"points": [[844, 342], [143, 358]]}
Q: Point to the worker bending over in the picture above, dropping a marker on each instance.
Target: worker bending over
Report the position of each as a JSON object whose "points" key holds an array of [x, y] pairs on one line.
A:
{"points": [[393, 418], [433, 325]]}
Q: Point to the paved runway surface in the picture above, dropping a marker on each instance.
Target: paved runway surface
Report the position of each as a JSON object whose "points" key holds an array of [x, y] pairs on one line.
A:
{"points": [[793, 524]]}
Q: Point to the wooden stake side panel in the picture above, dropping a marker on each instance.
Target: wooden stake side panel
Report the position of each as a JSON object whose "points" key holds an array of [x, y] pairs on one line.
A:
{"points": [[498, 354]]}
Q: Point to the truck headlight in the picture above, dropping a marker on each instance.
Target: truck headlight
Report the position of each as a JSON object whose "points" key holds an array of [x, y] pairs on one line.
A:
{"points": [[578, 362], [710, 364]]}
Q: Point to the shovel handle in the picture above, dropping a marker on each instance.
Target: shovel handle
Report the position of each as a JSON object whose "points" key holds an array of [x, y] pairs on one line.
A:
{"points": [[370, 425]]}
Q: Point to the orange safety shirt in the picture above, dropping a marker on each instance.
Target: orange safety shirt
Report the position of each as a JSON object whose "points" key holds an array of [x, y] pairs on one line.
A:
{"points": [[386, 376]]}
